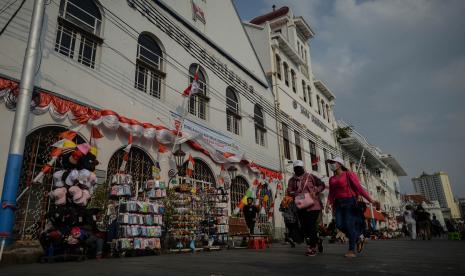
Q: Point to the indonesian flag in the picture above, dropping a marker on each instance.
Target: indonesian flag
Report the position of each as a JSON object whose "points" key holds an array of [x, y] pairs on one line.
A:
{"points": [[315, 161], [193, 88], [190, 168]]}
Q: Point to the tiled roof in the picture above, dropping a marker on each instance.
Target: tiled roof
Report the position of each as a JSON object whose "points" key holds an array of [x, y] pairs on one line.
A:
{"points": [[270, 16]]}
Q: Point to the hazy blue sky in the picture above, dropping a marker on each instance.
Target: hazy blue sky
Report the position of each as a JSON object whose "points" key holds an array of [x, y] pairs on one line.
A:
{"points": [[397, 68]]}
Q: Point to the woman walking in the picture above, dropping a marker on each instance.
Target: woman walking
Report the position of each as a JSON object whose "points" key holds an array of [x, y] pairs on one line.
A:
{"points": [[305, 188], [344, 190]]}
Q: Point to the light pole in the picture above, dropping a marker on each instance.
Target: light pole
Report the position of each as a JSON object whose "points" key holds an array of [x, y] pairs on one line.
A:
{"points": [[19, 130], [179, 159]]}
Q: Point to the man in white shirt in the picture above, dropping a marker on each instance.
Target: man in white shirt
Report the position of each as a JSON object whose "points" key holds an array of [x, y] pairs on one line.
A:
{"points": [[409, 218]]}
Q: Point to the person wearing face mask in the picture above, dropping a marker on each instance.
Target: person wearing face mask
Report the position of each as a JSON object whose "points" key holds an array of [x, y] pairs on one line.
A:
{"points": [[344, 190], [304, 182]]}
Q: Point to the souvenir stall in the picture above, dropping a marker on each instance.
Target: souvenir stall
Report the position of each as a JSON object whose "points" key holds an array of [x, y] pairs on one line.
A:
{"points": [[71, 231], [135, 211], [200, 214]]}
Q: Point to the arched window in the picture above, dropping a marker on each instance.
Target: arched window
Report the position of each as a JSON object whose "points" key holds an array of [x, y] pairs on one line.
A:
{"points": [[323, 112], [260, 129], [263, 224], [286, 73], [293, 79], [278, 67], [327, 113], [79, 26], [202, 176], [239, 188], [33, 205], [198, 102], [309, 90], [149, 66], [232, 111], [139, 165], [318, 103], [304, 92]]}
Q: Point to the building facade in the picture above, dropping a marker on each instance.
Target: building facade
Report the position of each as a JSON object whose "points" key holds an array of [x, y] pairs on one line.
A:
{"points": [[305, 104], [135, 58], [378, 172], [437, 187]]}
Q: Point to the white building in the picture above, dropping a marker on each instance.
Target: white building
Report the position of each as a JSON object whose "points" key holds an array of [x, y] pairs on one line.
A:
{"points": [[135, 58], [379, 173], [305, 103], [437, 187]]}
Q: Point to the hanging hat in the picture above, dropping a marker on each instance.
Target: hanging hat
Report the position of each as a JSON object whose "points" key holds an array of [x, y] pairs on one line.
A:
{"points": [[75, 192], [57, 179], [83, 176], [84, 148], [92, 179], [59, 195], [94, 151], [75, 232], [82, 201], [72, 176]]}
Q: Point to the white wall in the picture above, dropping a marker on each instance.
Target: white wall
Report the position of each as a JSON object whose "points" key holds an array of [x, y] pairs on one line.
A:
{"points": [[111, 84]]}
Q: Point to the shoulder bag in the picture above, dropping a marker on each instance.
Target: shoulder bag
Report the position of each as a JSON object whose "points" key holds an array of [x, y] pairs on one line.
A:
{"points": [[303, 200]]}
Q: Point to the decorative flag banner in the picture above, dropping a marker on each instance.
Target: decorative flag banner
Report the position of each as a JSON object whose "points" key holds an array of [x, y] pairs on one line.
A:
{"points": [[193, 88], [65, 144], [315, 161], [127, 149], [220, 148], [249, 193], [190, 169]]}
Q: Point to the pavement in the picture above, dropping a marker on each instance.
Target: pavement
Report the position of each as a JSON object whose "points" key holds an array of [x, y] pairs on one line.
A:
{"points": [[383, 257]]}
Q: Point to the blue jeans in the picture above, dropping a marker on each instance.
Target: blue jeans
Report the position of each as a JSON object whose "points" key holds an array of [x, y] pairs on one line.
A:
{"points": [[348, 220]]}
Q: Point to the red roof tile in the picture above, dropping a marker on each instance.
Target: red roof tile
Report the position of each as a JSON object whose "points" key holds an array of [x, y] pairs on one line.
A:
{"points": [[270, 16]]}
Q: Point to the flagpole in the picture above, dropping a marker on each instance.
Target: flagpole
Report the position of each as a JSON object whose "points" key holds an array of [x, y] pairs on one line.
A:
{"points": [[183, 117]]}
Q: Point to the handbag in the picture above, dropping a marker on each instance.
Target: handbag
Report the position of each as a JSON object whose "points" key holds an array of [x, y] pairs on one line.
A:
{"points": [[360, 205], [304, 200]]}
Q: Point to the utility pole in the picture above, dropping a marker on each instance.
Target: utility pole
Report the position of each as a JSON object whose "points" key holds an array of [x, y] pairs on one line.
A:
{"points": [[19, 132]]}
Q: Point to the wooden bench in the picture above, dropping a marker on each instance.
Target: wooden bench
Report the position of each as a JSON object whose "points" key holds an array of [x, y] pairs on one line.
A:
{"points": [[238, 228]]}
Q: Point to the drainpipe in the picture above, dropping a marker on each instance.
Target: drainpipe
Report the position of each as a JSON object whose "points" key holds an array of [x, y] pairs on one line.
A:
{"points": [[274, 92]]}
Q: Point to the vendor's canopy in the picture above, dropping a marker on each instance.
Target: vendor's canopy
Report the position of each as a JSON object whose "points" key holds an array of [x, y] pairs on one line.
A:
{"points": [[377, 215]]}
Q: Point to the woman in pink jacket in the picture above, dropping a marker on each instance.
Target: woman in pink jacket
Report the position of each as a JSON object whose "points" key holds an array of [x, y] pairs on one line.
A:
{"points": [[304, 182], [344, 189]]}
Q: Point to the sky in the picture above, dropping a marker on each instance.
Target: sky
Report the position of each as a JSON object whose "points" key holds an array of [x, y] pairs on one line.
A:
{"points": [[397, 69]]}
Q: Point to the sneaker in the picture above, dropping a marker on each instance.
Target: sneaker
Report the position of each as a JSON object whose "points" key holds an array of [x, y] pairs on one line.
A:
{"points": [[291, 241], [320, 245], [311, 252], [350, 254], [361, 244]]}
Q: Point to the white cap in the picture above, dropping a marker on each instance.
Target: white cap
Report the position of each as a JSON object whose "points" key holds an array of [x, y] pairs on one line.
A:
{"points": [[298, 163], [339, 160]]}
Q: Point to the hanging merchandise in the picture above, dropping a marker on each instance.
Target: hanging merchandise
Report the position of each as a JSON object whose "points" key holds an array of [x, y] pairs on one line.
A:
{"points": [[69, 223], [201, 216], [139, 222]]}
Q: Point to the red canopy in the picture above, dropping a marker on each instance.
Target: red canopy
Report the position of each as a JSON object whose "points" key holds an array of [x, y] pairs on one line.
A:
{"points": [[377, 215]]}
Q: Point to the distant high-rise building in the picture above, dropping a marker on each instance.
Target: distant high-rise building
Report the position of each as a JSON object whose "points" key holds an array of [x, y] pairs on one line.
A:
{"points": [[437, 187]]}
